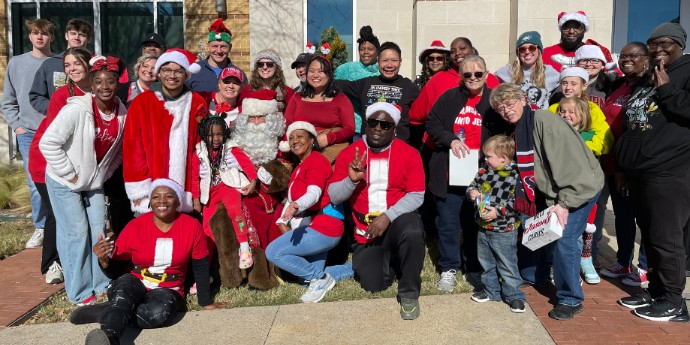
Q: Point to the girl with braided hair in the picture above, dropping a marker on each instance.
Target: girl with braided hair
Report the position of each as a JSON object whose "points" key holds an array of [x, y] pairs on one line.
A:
{"points": [[222, 173]]}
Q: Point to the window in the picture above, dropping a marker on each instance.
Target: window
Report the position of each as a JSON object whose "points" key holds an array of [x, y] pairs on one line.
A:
{"points": [[322, 14], [119, 25], [634, 20]]}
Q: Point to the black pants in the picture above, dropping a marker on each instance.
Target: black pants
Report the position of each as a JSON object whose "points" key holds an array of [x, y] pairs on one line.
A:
{"points": [[120, 209], [128, 298], [49, 253], [398, 253], [661, 206]]}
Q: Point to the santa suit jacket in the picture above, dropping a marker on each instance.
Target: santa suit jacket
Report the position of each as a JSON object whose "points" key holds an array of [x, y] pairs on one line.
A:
{"points": [[159, 143]]}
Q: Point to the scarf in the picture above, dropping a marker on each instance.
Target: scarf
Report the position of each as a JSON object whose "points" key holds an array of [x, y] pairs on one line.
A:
{"points": [[524, 149]]}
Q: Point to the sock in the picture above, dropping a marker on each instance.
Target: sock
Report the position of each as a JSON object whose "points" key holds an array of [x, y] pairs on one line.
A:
{"points": [[244, 246]]}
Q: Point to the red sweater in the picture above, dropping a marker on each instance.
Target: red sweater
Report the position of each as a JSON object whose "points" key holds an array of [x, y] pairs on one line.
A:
{"points": [[437, 85], [37, 163], [324, 115]]}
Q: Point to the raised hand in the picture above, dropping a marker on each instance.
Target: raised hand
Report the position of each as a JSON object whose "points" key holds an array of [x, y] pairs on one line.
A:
{"points": [[356, 168]]}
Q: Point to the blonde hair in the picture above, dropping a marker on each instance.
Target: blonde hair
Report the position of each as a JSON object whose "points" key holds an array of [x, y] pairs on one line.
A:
{"points": [[504, 93], [581, 109], [142, 60], [538, 72], [500, 145]]}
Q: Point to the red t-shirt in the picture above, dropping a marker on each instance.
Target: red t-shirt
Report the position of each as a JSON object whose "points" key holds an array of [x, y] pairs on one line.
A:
{"points": [[614, 110], [471, 121], [37, 163], [324, 115], [389, 176], [106, 132], [161, 252], [315, 170]]}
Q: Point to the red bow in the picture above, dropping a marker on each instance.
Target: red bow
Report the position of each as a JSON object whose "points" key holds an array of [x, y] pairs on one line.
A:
{"points": [[222, 107], [109, 63]]}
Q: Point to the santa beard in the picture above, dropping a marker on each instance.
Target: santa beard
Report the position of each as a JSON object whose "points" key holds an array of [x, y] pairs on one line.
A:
{"points": [[259, 142]]}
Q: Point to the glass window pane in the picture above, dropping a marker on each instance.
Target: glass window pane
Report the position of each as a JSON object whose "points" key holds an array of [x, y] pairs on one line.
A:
{"points": [[643, 18], [123, 25], [170, 23], [60, 13], [322, 14], [20, 36]]}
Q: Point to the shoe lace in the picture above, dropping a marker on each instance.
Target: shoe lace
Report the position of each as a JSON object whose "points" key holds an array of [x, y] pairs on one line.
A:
{"points": [[448, 276]]}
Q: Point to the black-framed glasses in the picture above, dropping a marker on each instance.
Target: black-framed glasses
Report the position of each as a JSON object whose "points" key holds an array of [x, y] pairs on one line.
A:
{"points": [[523, 49], [168, 71], [577, 26], [385, 125], [589, 61], [438, 58], [630, 56], [468, 75], [663, 45], [262, 64]]}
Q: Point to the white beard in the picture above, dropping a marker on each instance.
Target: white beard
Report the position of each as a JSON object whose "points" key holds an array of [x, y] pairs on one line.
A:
{"points": [[259, 142]]}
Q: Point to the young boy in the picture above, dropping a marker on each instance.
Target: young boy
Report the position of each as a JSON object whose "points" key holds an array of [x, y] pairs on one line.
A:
{"points": [[494, 189]]}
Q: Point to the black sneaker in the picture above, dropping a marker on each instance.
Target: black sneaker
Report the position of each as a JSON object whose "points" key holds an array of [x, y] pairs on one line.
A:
{"points": [[409, 308], [663, 310], [88, 313], [517, 306], [98, 337], [564, 312], [642, 299], [480, 297]]}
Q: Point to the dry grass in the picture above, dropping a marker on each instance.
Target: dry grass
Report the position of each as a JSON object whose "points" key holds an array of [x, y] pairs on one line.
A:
{"points": [[13, 236], [59, 308], [14, 192]]}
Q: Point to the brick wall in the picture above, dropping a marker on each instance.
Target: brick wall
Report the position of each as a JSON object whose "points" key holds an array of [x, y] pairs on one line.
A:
{"points": [[4, 46], [201, 13]]}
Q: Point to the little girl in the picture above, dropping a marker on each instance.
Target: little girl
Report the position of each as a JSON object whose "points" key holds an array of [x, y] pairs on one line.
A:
{"points": [[575, 111], [225, 173]]}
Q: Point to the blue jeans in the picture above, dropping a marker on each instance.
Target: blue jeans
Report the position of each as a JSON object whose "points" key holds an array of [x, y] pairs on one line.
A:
{"points": [[302, 252], [38, 214], [449, 231], [78, 226], [498, 255], [567, 253]]}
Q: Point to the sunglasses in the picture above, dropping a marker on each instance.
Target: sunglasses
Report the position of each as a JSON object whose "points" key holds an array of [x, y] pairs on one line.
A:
{"points": [[438, 58], [385, 125], [228, 80], [468, 75], [268, 64], [524, 49]]}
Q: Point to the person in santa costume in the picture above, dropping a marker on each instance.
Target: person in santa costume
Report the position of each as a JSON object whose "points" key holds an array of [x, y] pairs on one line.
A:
{"points": [[256, 131], [383, 179], [573, 26], [218, 51], [162, 130]]}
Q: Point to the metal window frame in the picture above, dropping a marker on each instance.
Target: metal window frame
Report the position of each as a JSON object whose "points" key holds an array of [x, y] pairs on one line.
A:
{"points": [[620, 23], [355, 52], [96, 17]]}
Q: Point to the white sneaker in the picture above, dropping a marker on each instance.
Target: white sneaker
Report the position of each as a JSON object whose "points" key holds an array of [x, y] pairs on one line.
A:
{"points": [[447, 281], [54, 274], [36, 239]]}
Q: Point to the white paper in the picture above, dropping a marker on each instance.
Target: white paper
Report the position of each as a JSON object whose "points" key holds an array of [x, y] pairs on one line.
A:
{"points": [[541, 230], [461, 171]]}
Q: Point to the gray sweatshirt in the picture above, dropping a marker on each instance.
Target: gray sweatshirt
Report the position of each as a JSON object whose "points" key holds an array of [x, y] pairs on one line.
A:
{"points": [[15, 103]]}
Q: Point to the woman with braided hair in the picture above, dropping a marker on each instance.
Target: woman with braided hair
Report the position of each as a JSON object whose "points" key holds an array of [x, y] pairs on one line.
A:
{"points": [[82, 148], [222, 174]]}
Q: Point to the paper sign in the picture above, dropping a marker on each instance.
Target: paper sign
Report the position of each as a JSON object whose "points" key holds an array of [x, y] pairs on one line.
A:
{"points": [[461, 171]]}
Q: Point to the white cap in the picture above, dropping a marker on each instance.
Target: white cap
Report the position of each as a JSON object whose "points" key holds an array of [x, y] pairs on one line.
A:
{"points": [[575, 72], [391, 109], [285, 145]]}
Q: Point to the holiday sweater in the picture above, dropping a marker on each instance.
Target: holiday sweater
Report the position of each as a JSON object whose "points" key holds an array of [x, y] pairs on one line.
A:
{"points": [[537, 96], [324, 115], [499, 184]]}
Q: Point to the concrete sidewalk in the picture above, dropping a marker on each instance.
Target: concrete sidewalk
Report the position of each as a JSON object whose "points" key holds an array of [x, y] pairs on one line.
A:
{"points": [[445, 319]]}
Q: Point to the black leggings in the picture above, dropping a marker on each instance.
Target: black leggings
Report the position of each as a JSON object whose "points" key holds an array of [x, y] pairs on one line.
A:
{"points": [[128, 298], [49, 252]]}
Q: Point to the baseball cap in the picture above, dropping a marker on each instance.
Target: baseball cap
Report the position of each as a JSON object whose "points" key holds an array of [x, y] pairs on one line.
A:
{"points": [[302, 58], [154, 38], [231, 72]]}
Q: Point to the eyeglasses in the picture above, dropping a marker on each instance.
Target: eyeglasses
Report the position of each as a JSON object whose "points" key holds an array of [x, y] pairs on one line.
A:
{"points": [[630, 56], [385, 125], [589, 61], [438, 58], [468, 75], [663, 45], [168, 71], [573, 26], [524, 49], [264, 64], [503, 107]]}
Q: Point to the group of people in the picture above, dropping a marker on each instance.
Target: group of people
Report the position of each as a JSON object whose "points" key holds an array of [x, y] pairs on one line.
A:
{"points": [[131, 168]]}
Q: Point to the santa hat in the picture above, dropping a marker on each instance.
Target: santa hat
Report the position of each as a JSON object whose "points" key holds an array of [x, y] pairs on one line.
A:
{"points": [[268, 54], [391, 109], [436, 45], [170, 184], [218, 32], [259, 103], [578, 16], [303, 125], [182, 57], [610, 64], [575, 72], [591, 51], [591, 228]]}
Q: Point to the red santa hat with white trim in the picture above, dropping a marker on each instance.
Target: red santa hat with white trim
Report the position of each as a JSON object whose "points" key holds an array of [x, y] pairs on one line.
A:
{"points": [[578, 16], [182, 57]]}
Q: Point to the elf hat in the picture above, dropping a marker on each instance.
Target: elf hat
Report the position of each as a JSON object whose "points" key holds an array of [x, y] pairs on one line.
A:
{"points": [[218, 32]]}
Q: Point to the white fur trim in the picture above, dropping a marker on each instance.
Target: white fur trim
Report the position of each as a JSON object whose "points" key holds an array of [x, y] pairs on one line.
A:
{"points": [[257, 107], [176, 187], [143, 206], [390, 109], [284, 146], [576, 16], [575, 72], [179, 136], [186, 204], [590, 228], [589, 51], [137, 190], [611, 66], [194, 68], [303, 125]]}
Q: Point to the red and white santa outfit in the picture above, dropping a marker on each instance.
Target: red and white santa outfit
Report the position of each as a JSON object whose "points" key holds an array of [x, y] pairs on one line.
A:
{"points": [[160, 136]]}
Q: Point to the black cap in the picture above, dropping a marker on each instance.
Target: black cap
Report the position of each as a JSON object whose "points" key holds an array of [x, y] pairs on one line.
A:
{"points": [[154, 38], [302, 58]]}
